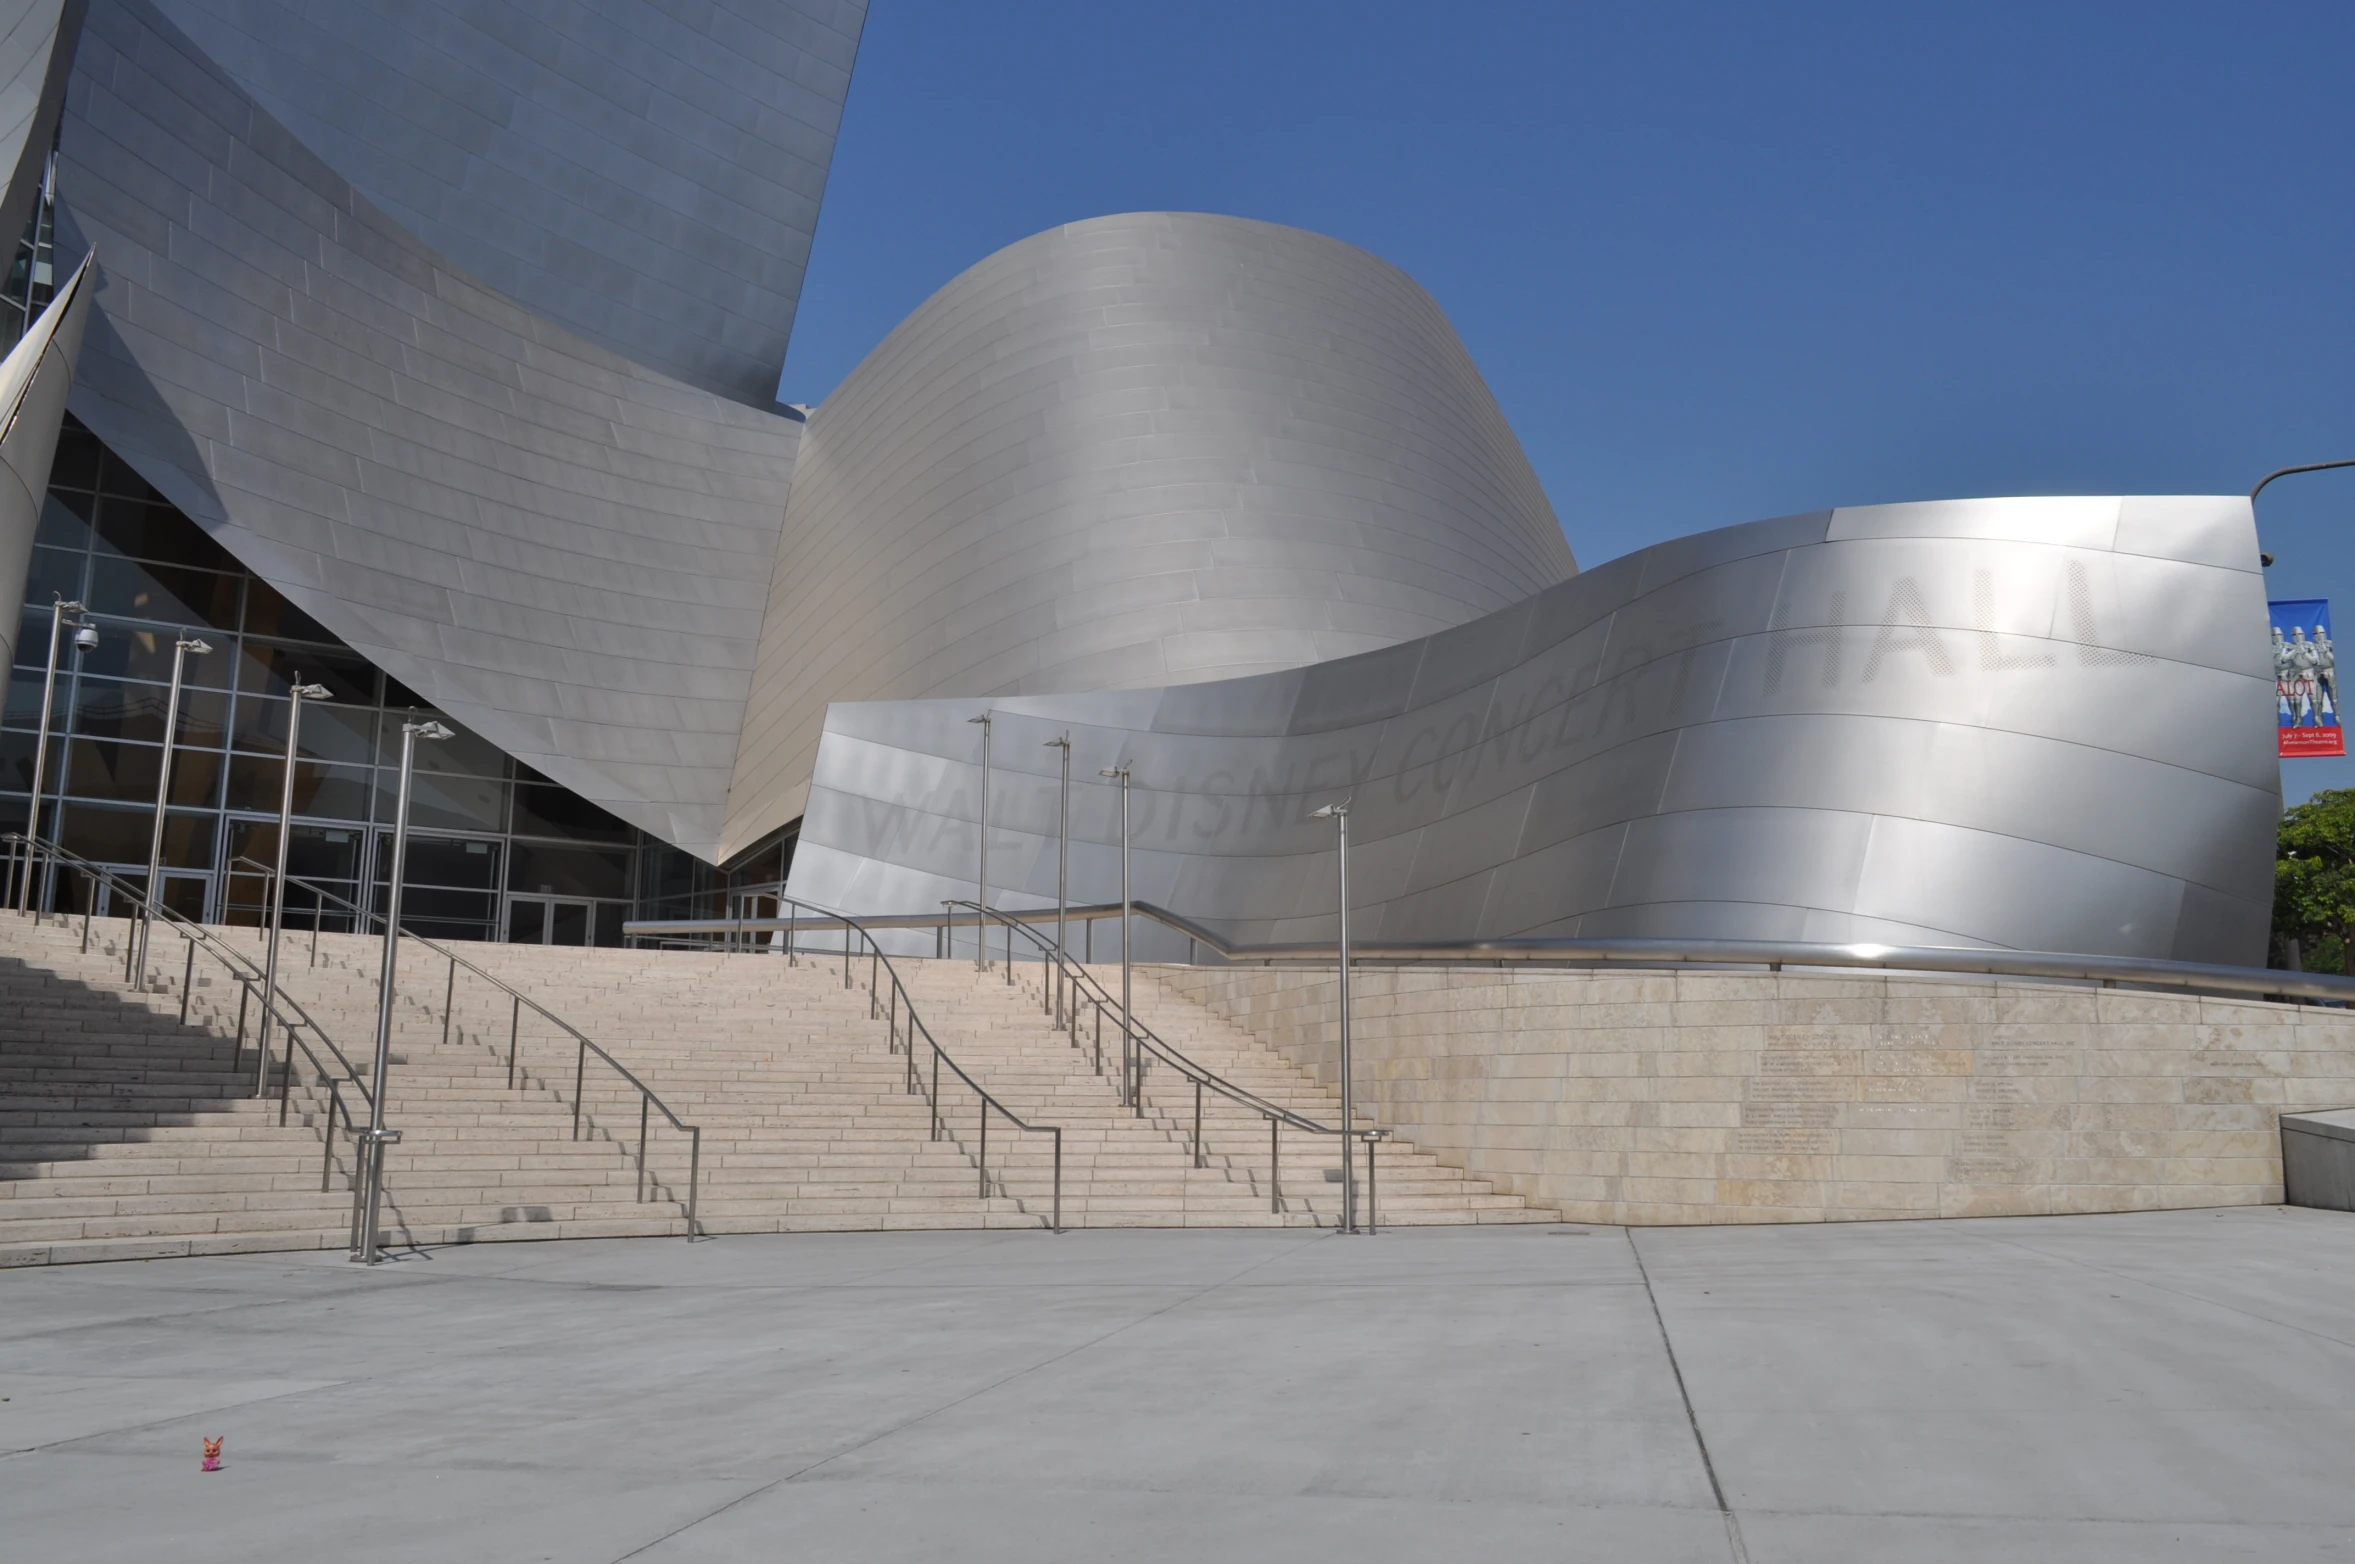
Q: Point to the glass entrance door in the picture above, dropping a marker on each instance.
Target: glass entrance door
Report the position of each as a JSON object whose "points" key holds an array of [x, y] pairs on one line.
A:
{"points": [[451, 888], [326, 859], [549, 920]]}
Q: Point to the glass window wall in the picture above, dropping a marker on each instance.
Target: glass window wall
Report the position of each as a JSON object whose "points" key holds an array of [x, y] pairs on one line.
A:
{"points": [[496, 849]]}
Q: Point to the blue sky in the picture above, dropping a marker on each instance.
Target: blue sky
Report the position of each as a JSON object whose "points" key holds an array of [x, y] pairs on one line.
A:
{"points": [[1717, 261]]}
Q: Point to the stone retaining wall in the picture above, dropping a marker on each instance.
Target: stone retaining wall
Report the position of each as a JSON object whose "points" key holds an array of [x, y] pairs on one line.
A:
{"points": [[1695, 1097]]}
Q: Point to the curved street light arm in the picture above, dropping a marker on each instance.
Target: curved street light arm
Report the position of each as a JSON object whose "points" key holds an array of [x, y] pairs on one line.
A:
{"points": [[2284, 472]]}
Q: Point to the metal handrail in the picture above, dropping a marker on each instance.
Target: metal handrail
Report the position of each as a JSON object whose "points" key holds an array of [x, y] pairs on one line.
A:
{"points": [[646, 1095], [2109, 971], [25, 855], [886, 1008], [1146, 1040]]}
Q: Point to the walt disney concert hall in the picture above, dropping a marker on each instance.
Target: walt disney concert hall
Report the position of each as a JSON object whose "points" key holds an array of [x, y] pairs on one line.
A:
{"points": [[420, 357], [433, 362]]}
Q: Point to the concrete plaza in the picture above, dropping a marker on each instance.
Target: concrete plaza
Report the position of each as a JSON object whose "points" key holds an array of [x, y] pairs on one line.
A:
{"points": [[2169, 1386]]}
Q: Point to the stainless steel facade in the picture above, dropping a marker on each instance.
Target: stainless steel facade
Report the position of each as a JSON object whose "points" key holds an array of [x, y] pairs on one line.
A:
{"points": [[2028, 723], [1136, 451], [645, 173], [34, 379], [563, 548], [455, 325]]}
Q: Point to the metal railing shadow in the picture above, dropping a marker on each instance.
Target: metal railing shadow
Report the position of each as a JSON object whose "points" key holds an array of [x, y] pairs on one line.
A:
{"points": [[648, 1102], [292, 1020]]}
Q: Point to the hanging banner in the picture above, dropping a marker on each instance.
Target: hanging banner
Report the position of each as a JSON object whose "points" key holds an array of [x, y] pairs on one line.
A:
{"points": [[2306, 679]]}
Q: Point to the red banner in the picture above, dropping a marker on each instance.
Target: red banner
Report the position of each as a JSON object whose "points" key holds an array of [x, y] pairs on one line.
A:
{"points": [[2312, 741]]}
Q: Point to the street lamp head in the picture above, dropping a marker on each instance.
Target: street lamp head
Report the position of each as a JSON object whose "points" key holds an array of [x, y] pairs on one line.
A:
{"points": [[310, 692], [68, 605], [1060, 743], [1114, 773], [1330, 811], [86, 638], [983, 719], [428, 730], [189, 644]]}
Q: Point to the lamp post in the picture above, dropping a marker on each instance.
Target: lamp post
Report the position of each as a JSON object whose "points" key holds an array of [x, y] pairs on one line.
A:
{"points": [[163, 792], [294, 728], [1128, 1081], [57, 612], [1339, 815], [378, 1137], [1062, 867], [981, 894]]}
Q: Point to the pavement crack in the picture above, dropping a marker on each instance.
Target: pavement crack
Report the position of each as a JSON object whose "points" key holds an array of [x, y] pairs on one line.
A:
{"points": [[1733, 1527]]}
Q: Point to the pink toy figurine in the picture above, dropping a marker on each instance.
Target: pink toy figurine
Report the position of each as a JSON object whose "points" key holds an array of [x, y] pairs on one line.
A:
{"points": [[212, 1453]]}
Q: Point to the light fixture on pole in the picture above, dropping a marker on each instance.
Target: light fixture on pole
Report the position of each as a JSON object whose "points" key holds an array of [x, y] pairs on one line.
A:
{"points": [[57, 612], [294, 728], [372, 1144], [1339, 815], [1128, 1075], [1062, 869], [981, 897], [163, 792]]}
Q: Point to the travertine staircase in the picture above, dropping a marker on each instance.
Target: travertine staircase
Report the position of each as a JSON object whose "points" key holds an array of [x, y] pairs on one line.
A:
{"points": [[806, 1119], [1128, 1169], [125, 1134]]}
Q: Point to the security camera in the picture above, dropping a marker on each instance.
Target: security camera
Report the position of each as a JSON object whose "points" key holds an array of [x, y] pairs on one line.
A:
{"points": [[86, 639]]}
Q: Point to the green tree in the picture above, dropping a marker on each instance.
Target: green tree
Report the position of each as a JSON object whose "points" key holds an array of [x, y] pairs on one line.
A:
{"points": [[2314, 878]]}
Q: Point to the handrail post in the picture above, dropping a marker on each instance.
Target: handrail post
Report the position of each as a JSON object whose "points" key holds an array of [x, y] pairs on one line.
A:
{"points": [[187, 976], [645, 1100], [694, 1176], [327, 1159], [1058, 1179], [1198, 1162], [846, 955], [936, 1091], [1275, 1174], [449, 998], [286, 1075], [89, 906], [981, 1161], [580, 1064], [514, 1027], [874, 969], [1372, 1225]]}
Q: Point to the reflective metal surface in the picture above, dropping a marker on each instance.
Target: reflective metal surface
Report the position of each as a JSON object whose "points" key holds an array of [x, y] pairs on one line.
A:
{"points": [[645, 172], [2034, 724], [563, 549], [34, 380], [1136, 451], [37, 39]]}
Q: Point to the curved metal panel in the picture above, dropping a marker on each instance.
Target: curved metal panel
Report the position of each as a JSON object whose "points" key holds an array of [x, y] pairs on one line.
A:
{"points": [[568, 552], [1137, 451], [34, 380], [646, 172], [37, 40], [2037, 724]]}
